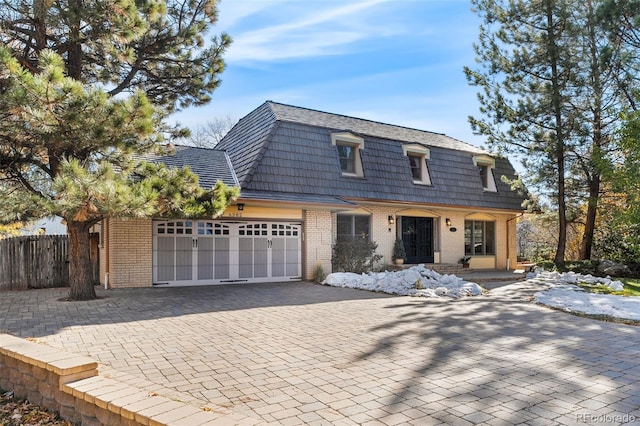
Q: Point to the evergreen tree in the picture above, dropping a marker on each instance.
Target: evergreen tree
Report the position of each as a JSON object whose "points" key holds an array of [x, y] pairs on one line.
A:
{"points": [[553, 85], [524, 81], [603, 78], [84, 88]]}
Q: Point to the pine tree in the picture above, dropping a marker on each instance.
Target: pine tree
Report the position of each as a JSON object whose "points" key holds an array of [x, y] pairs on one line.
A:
{"points": [[524, 80], [553, 85], [85, 86]]}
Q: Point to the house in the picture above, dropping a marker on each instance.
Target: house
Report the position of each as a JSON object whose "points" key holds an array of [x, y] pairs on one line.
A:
{"points": [[308, 178]]}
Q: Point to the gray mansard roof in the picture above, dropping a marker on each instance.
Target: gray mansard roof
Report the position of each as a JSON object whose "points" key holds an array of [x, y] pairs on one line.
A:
{"points": [[284, 153], [209, 164]]}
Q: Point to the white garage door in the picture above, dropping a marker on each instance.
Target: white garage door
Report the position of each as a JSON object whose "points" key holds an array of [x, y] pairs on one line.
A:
{"points": [[218, 252]]}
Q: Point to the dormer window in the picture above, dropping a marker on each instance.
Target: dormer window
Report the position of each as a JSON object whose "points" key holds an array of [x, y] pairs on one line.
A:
{"points": [[349, 147], [484, 175], [485, 165], [347, 156], [415, 162], [418, 156]]}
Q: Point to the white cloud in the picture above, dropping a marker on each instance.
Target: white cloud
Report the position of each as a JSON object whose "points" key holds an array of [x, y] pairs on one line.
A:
{"points": [[257, 47], [230, 12], [318, 29], [394, 61]]}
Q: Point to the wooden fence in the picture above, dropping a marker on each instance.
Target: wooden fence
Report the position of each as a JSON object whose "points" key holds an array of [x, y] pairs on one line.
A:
{"points": [[34, 262]]}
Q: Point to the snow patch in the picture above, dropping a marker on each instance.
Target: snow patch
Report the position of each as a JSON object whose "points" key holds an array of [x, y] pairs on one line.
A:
{"points": [[562, 278], [414, 281], [565, 294]]}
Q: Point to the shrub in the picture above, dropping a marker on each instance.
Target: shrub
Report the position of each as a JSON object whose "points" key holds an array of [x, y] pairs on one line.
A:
{"points": [[618, 242], [581, 266], [578, 266], [354, 255], [398, 250], [318, 274], [547, 265]]}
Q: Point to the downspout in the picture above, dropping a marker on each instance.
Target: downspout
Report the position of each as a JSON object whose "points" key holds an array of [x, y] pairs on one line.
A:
{"points": [[508, 254]]}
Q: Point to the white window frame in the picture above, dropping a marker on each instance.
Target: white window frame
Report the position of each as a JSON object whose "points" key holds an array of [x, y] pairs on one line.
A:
{"points": [[423, 154], [355, 142], [489, 164]]}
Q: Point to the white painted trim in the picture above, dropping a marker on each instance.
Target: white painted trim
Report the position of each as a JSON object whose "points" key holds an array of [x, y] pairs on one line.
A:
{"points": [[490, 163], [356, 142], [347, 138], [416, 149], [484, 160]]}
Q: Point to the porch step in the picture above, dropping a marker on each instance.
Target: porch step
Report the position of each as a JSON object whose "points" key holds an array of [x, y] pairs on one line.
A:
{"points": [[448, 268], [444, 268]]}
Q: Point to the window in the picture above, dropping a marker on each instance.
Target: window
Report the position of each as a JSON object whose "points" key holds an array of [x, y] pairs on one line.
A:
{"points": [[347, 155], [351, 226], [485, 165], [418, 156], [349, 147], [415, 163], [484, 176], [479, 238]]}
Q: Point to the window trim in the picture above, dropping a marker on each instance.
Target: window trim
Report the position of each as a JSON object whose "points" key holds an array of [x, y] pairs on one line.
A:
{"points": [[351, 140], [484, 237], [489, 163], [352, 217], [423, 154]]}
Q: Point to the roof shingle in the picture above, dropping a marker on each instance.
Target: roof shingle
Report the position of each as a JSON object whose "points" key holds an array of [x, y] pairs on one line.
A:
{"points": [[282, 149]]}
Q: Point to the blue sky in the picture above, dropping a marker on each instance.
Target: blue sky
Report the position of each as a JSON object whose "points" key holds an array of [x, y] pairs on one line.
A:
{"points": [[394, 61]]}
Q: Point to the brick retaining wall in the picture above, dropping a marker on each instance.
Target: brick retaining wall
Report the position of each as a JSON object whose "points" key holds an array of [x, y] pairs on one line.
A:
{"points": [[70, 384]]}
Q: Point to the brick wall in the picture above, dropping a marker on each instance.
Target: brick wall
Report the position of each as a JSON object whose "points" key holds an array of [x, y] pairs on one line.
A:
{"points": [[452, 243], [448, 245], [382, 233], [70, 385], [130, 253], [130, 242], [23, 371], [318, 233]]}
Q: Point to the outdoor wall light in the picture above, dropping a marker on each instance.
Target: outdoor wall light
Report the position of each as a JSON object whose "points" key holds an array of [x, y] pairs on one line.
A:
{"points": [[240, 206], [391, 220], [447, 221]]}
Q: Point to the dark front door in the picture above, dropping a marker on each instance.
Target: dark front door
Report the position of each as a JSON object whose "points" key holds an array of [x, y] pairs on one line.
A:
{"points": [[417, 236]]}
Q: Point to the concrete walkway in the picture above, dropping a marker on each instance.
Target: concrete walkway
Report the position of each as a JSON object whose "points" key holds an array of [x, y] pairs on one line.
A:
{"points": [[299, 353]]}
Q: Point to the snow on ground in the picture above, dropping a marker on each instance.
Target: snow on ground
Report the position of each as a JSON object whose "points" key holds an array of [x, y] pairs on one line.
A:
{"points": [[563, 292], [414, 281], [566, 295]]}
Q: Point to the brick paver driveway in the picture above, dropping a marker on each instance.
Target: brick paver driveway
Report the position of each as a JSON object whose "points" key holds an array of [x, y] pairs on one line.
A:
{"points": [[298, 353]]}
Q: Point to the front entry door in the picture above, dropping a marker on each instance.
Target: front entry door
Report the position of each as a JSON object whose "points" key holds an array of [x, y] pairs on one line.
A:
{"points": [[417, 236]]}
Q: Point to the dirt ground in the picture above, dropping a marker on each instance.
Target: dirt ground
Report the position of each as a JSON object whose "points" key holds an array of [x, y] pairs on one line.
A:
{"points": [[22, 413]]}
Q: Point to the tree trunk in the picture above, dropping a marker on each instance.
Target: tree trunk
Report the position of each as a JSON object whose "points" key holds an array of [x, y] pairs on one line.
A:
{"points": [[590, 224], [598, 138], [74, 56], [559, 136], [80, 267], [39, 15], [562, 213]]}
